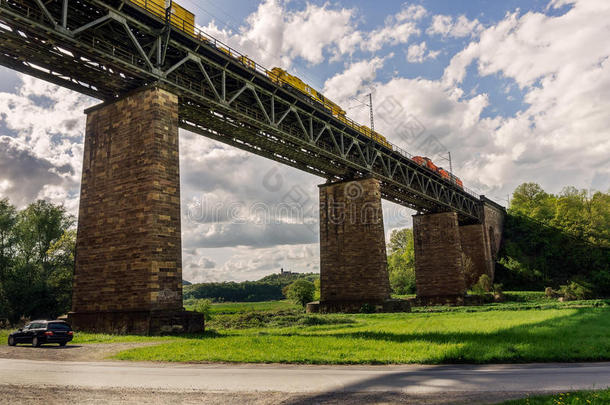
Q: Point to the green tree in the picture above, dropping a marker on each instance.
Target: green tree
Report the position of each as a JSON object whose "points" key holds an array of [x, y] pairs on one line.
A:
{"points": [[8, 218], [39, 225], [316, 294], [300, 292], [61, 261], [38, 256], [531, 200], [599, 206], [401, 261]]}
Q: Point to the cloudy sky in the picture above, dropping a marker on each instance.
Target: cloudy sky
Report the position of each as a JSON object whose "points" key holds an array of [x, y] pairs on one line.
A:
{"points": [[516, 90]]}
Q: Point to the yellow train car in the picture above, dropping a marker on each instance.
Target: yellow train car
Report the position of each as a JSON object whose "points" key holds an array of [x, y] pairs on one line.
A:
{"points": [[225, 50], [279, 75], [374, 135], [156, 7], [247, 62], [182, 19]]}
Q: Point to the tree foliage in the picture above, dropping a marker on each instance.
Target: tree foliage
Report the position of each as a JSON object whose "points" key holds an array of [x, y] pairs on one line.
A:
{"points": [[578, 213], [401, 261], [552, 240], [300, 292], [267, 288], [36, 260]]}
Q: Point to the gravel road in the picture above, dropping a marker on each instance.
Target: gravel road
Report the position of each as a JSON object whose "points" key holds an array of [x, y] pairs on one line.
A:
{"points": [[79, 374], [60, 395], [71, 352]]}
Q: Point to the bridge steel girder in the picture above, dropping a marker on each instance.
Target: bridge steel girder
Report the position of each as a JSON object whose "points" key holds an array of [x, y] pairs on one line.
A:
{"points": [[107, 48]]}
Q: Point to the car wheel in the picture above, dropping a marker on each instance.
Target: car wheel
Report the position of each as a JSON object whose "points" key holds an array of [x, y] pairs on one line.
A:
{"points": [[63, 343], [11, 341], [36, 342]]}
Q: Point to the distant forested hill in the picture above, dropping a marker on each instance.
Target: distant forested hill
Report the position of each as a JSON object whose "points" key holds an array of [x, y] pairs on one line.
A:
{"points": [[266, 289]]}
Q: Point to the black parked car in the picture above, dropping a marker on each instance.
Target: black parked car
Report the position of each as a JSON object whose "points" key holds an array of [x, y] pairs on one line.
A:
{"points": [[41, 332]]}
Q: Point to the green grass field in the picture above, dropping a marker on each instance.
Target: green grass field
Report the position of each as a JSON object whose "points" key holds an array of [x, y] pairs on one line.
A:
{"points": [[528, 328], [572, 334], [568, 398]]}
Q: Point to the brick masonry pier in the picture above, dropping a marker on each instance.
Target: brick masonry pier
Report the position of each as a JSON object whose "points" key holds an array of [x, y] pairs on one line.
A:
{"points": [[439, 273], [353, 262], [442, 246], [128, 271]]}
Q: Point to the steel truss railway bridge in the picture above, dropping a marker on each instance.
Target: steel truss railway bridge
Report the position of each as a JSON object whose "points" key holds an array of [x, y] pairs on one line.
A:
{"points": [[112, 49]]}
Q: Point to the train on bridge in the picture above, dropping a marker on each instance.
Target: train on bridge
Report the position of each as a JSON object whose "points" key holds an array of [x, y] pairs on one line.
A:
{"points": [[184, 20]]}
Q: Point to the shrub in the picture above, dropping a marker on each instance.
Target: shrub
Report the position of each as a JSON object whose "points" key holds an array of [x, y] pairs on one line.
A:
{"points": [[498, 293], [575, 290], [485, 282], [402, 280], [204, 307], [272, 319], [300, 292], [549, 292], [482, 286], [469, 275]]}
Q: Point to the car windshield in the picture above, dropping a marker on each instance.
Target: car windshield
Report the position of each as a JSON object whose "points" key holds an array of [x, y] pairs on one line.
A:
{"points": [[59, 326]]}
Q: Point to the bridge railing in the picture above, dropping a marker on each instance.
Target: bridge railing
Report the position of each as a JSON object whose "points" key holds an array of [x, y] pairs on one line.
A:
{"points": [[194, 31]]}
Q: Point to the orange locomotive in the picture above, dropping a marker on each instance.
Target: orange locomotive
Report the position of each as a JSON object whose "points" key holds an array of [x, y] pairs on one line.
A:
{"points": [[444, 174]]}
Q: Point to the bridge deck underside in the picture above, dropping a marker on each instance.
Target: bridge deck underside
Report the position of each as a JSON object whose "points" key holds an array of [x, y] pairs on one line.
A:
{"points": [[108, 48]]}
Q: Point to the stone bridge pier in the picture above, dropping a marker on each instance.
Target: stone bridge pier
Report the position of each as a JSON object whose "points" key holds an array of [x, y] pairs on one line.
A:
{"points": [[128, 270], [450, 257], [353, 261]]}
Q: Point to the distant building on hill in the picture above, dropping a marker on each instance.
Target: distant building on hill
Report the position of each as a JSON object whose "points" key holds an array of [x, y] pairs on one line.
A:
{"points": [[282, 272]]}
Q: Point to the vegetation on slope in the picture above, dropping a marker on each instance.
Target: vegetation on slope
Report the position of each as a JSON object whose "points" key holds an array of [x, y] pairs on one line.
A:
{"points": [[550, 240]]}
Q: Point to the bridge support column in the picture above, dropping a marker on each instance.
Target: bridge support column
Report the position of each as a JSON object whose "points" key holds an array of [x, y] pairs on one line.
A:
{"points": [[477, 253], [353, 262], [439, 274], [128, 271]]}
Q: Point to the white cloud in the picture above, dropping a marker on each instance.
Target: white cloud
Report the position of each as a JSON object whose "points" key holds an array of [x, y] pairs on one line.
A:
{"points": [[417, 53], [274, 35], [232, 198], [41, 146], [412, 12], [351, 81], [559, 62], [253, 264], [392, 34], [448, 26]]}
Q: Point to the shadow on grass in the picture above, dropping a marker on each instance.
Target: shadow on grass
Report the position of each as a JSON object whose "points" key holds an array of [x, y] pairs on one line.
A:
{"points": [[557, 339]]}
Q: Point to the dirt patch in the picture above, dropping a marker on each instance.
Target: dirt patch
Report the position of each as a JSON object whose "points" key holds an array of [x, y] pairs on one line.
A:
{"points": [[71, 352], [34, 395]]}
